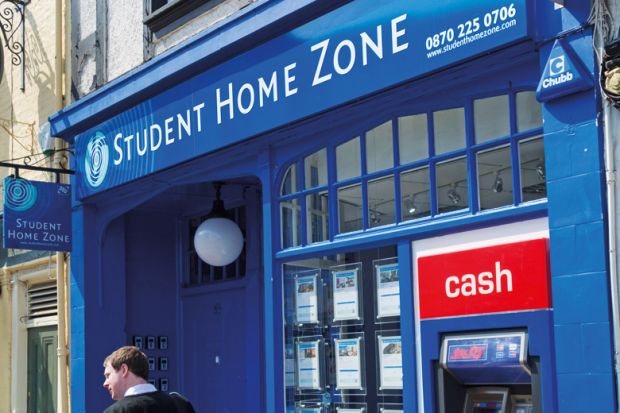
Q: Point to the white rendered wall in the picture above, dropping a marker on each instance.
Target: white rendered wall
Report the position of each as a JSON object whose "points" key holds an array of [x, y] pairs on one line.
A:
{"points": [[125, 37]]}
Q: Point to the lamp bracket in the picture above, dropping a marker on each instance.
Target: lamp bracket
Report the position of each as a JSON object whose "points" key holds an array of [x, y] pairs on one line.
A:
{"points": [[12, 17]]}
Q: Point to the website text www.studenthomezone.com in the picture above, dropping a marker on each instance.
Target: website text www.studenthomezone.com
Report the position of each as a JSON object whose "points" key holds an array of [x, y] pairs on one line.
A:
{"points": [[467, 39]]}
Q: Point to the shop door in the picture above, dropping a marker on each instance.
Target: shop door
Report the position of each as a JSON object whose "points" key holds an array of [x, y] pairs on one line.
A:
{"points": [[42, 369], [214, 355]]}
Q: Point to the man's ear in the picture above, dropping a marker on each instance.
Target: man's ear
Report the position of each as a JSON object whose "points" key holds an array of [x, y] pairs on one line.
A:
{"points": [[124, 370]]}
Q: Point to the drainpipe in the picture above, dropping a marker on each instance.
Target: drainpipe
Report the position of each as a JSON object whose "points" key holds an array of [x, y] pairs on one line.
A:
{"points": [[63, 392], [610, 178]]}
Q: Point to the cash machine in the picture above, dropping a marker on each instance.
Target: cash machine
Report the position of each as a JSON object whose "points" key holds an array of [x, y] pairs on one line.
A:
{"points": [[487, 372]]}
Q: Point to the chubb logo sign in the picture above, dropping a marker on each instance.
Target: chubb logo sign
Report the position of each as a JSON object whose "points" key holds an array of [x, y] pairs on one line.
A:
{"points": [[557, 72], [96, 160]]}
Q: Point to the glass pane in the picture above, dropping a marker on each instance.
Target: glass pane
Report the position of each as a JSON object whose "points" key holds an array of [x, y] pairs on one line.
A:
{"points": [[290, 223], [491, 118], [289, 183], [350, 208], [452, 185], [415, 201], [379, 152], [495, 178], [533, 173], [317, 217], [348, 160], [315, 167], [412, 138], [449, 128], [381, 206], [529, 111]]}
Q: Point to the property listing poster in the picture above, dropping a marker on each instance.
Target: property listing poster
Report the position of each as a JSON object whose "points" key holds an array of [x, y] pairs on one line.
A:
{"points": [[390, 362], [306, 299], [391, 411], [341, 410], [308, 365], [388, 291], [348, 363], [289, 366], [346, 295]]}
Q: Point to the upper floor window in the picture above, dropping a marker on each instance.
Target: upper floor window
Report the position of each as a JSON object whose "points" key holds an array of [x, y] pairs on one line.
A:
{"points": [[161, 13], [485, 154]]}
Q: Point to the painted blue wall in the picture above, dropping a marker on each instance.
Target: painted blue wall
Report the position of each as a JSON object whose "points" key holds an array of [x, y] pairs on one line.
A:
{"points": [[576, 204], [152, 284]]}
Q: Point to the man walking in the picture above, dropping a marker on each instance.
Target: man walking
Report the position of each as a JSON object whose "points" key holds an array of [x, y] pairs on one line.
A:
{"points": [[126, 374]]}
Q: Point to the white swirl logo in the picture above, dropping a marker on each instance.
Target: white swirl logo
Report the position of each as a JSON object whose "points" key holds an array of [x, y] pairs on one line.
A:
{"points": [[20, 194], [96, 160]]}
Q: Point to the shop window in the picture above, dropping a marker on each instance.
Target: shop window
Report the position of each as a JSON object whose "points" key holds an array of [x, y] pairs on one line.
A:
{"points": [[529, 111], [350, 208], [412, 138], [449, 127], [317, 213], [315, 171], [348, 159], [289, 183], [452, 185], [342, 332], [491, 118], [379, 152], [290, 215], [199, 272], [381, 205], [495, 178], [415, 194], [418, 166], [532, 165]]}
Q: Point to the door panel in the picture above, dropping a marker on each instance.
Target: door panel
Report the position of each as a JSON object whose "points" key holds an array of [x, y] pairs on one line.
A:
{"points": [[214, 337], [42, 369]]}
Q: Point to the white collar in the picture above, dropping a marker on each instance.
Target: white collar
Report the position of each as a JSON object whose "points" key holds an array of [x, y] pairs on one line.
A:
{"points": [[140, 389]]}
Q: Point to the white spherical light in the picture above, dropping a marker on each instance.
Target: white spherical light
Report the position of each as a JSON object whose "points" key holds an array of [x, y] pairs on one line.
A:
{"points": [[218, 241]]}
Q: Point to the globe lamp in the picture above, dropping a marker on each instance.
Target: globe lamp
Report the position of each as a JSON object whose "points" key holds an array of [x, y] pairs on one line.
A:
{"points": [[218, 240]]}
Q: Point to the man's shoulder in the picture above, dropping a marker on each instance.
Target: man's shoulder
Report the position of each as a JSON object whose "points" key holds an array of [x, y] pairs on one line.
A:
{"points": [[146, 402]]}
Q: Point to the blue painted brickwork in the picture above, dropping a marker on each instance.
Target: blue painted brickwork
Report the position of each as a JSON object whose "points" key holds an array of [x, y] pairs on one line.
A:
{"points": [[576, 201]]}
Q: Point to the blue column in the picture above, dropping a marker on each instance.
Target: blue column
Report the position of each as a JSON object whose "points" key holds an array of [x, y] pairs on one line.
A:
{"points": [[576, 201]]}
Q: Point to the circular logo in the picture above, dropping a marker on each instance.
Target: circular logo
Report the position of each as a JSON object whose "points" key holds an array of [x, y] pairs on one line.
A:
{"points": [[96, 160], [20, 194]]}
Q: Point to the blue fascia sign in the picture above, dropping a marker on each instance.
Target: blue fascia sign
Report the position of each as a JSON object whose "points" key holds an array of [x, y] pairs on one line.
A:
{"points": [[564, 74], [363, 47], [36, 215]]}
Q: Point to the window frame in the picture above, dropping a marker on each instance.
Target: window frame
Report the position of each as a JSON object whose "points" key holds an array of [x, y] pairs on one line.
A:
{"points": [[171, 12], [469, 152]]}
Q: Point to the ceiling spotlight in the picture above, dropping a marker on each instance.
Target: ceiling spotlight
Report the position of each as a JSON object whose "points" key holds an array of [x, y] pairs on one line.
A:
{"points": [[454, 196], [540, 170], [498, 184], [410, 206]]}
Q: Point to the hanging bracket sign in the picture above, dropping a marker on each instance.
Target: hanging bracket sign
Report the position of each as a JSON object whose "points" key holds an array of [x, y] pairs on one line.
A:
{"points": [[37, 215]]}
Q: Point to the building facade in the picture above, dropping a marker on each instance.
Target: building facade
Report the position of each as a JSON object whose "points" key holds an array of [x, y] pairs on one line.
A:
{"points": [[420, 187], [33, 354]]}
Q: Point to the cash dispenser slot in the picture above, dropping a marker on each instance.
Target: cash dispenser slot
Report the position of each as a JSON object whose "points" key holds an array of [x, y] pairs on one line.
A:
{"points": [[487, 373]]}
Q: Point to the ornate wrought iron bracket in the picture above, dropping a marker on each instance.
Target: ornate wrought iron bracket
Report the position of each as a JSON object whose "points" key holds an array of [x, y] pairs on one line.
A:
{"points": [[12, 18]]}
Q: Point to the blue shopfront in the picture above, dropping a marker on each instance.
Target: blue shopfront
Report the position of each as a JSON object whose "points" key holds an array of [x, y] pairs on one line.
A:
{"points": [[420, 233]]}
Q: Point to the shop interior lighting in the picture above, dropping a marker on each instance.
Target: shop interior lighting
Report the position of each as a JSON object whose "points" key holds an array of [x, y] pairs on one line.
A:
{"points": [[454, 196], [498, 184], [540, 171]]}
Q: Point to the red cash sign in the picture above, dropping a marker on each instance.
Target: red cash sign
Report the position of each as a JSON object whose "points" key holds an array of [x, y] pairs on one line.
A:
{"points": [[507, 277]]}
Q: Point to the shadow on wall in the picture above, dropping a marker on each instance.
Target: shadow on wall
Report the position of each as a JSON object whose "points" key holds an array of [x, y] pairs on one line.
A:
{"points": [[40, 71]]}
